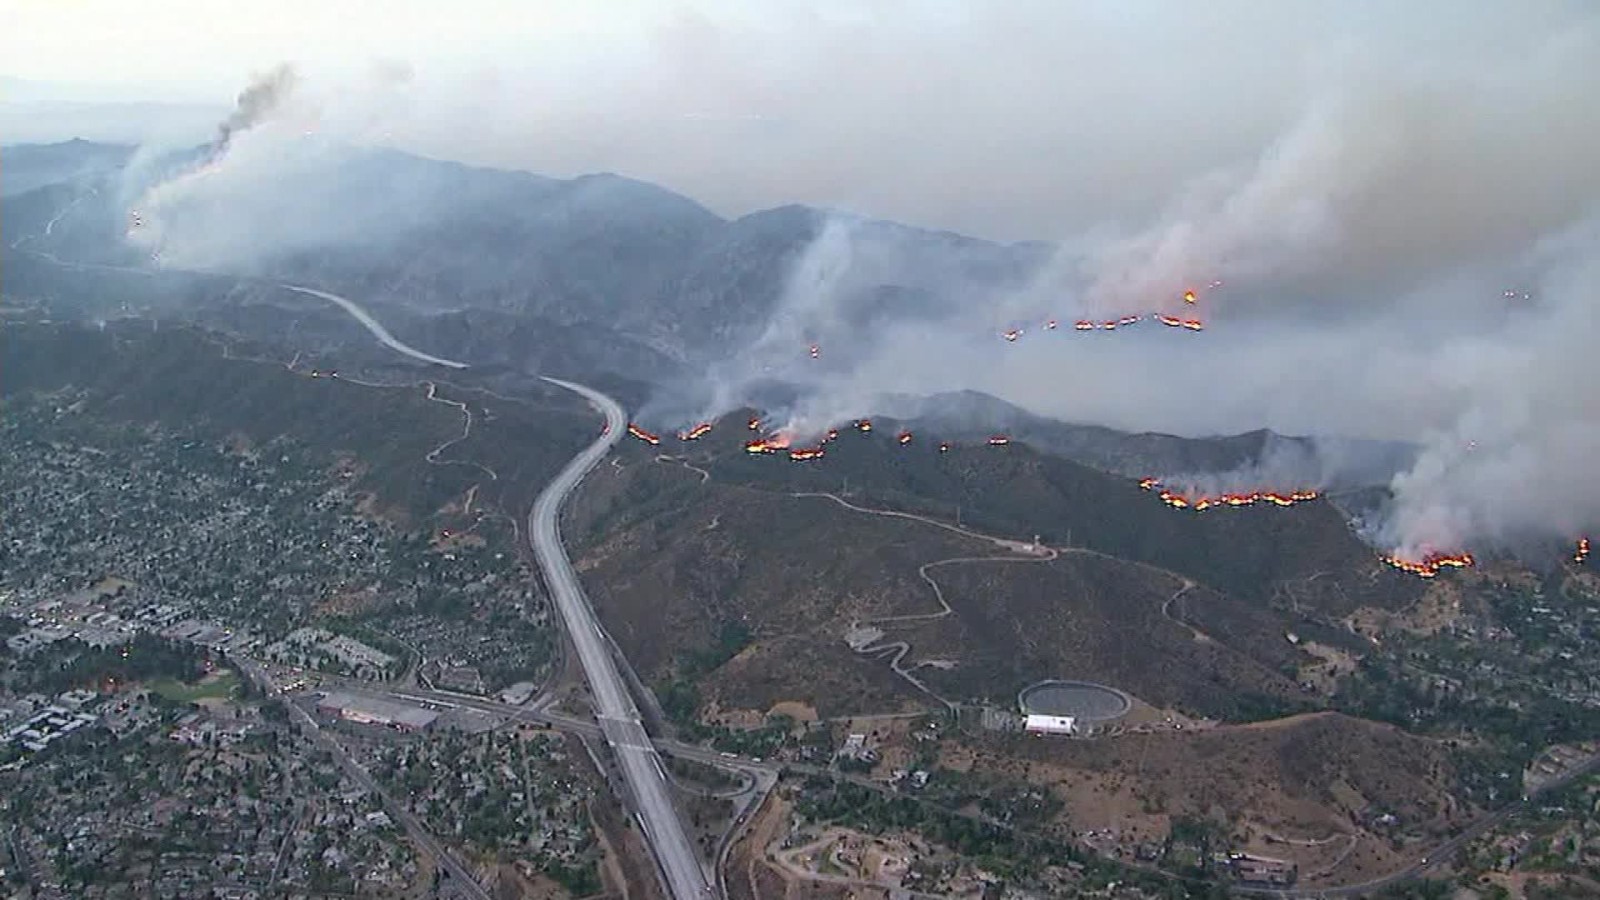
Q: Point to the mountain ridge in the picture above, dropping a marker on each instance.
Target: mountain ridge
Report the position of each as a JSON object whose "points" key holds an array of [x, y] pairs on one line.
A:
{"points": [[598, 272]]}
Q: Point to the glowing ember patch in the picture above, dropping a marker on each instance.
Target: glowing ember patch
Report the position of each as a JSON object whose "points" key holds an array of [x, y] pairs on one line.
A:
{"points": [[643, 435], [1178, 500], [999, 440], [695, 433], [1429, 566], [903, 437]]}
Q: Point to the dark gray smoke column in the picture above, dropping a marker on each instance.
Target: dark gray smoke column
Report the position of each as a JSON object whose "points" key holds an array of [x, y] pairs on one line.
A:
{"points": [[264, 94]]}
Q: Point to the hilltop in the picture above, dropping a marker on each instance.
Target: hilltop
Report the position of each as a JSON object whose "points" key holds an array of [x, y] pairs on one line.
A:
{"points": [[1187, 611], [598, 276], [602, 251]]}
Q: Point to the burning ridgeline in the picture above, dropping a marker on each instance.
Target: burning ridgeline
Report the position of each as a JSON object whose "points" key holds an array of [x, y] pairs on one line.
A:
{"points": [[1427, 565], [1431, 564], [1201, 502], [1188, 323]]}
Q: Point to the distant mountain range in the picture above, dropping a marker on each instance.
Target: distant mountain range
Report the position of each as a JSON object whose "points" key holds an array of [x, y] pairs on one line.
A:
{"points": [[31, 166], [597, 274], [599, 250]]}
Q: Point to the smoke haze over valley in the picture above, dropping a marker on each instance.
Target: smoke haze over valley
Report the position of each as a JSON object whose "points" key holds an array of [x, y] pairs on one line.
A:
{"points": [[1389, 220], [535, 450]]}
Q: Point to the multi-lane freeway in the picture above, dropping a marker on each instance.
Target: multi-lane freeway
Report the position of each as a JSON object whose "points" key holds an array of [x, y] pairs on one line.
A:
{"points": [[376, 327], [614, 707], [619, 721]]}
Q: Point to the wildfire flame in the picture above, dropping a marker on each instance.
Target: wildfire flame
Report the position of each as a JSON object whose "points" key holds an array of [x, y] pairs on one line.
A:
{"points": [[999, 440], [754, 424], [816, 351], [1582, 553], [1012, 335], [1430, 565], [864, 425], [1188, 296], [944, 447], [695, 433], [763, 445], [1193, 324], [1199, 502], [833, 435], [643, 435], [804, 453], [1109, 325], [1169, 321], [1084, 325], [1051, 325], [903, 437]]}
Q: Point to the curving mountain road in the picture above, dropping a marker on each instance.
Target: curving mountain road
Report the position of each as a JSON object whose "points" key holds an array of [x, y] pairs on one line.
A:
{"points": [[614, 708], [376, 327]]}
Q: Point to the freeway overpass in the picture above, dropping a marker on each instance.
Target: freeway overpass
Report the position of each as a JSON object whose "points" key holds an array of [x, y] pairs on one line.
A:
{"points": [[614, 707]]}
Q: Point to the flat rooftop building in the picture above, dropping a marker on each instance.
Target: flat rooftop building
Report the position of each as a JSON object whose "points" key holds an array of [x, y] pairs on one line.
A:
{"points": [[1038, 724], [373, 711]]}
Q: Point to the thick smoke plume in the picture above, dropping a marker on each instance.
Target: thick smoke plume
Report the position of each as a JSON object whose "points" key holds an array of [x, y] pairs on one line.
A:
{"points": [[257, 101], [271, 184], [1415, 259], [1350, 230]]}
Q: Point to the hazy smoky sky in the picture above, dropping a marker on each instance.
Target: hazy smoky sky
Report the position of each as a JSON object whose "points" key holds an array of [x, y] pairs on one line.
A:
{"points": [[1009, 120], [1366, 180]]}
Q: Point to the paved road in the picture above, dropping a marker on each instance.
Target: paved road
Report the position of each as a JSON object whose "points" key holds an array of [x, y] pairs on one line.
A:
{"points": [[376, 327], [461, 880], [1444, 854], [617, 714], [614, 707]]}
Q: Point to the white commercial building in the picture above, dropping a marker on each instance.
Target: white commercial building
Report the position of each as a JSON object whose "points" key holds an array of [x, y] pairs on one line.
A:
{"points": [[1051, 725]]}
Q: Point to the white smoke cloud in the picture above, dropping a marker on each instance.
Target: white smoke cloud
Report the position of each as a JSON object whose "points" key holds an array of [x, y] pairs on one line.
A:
{"points": [[1365, 215], [1364, 257], [1516, 461], [228, 211]]}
